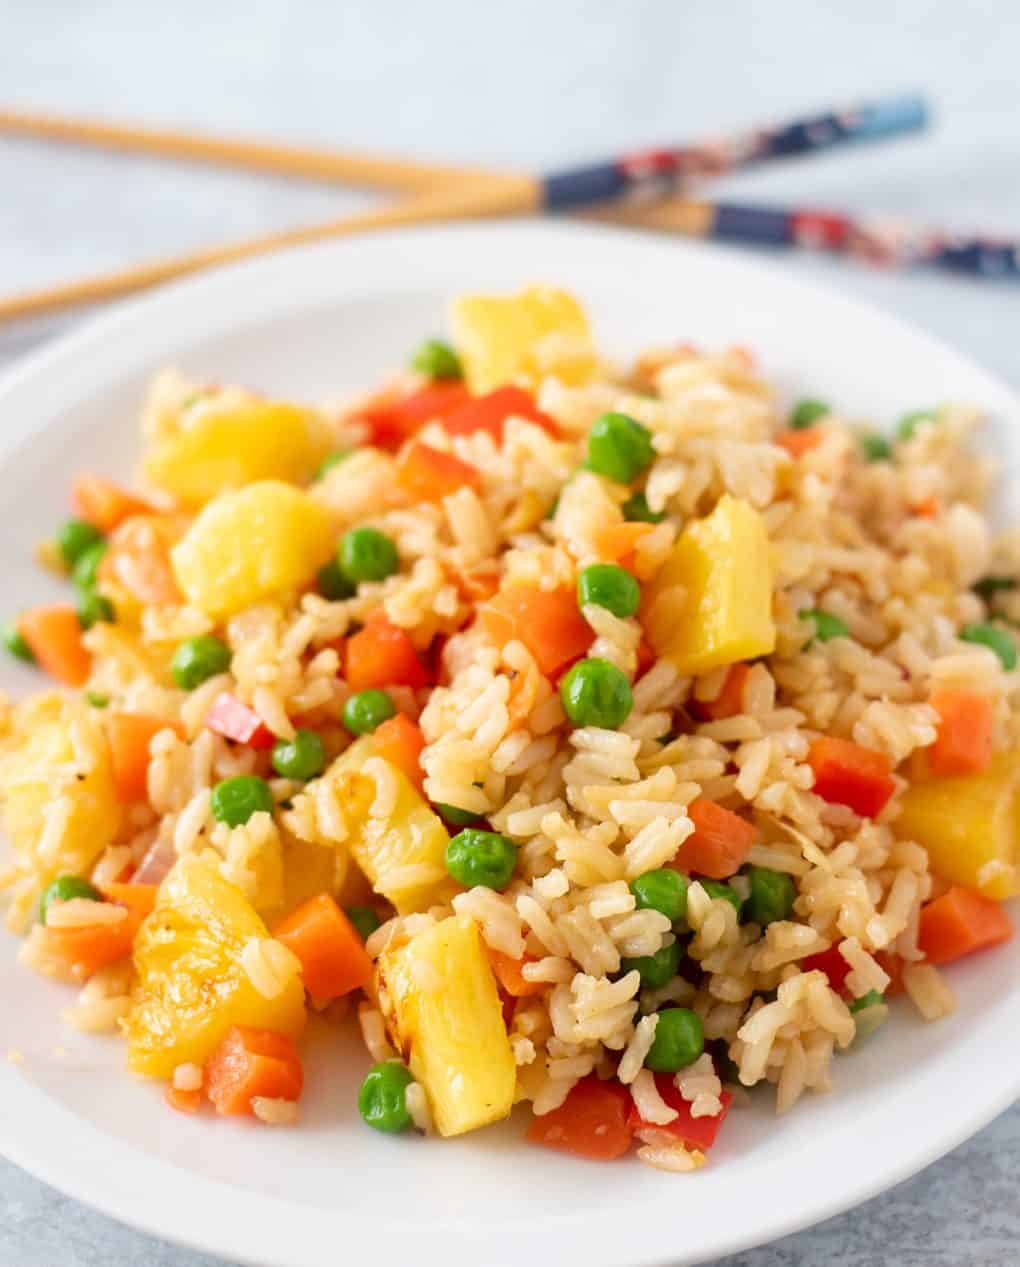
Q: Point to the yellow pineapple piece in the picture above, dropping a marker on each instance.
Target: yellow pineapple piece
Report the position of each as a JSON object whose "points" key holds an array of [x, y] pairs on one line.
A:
{"points": [[60, 810], [710, 603], [192, 986], [402, 852], [445, 1013], [219, 447], [520, 338], [970, 826], [262, 542]]}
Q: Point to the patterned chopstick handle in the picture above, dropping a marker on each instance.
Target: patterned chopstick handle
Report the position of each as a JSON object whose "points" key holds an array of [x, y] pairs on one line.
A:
{"points": [[887, 243], [653, 173]]}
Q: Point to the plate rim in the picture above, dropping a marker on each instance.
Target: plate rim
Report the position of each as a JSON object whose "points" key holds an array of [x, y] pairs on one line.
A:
{"points": [[218, 1235]]}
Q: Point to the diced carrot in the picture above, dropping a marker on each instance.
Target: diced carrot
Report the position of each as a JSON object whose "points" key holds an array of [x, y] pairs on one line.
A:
{"points": [[138, 559], [615, 543], [892, 965], [548, 622], [428, 475], [720, 842], [333, 957], [510, 977], [693, 1132], [236, 721], [139, 898], [490, 413], [182, 1101], [382, 654], [591, 1122], [104, 503], [730, 700], [252, 1062], [476, 583], [54, 637], [392, 422], [129, 735], [847, 774], [963, 744], [926, 508], [797, 443], [89, 947], [960, 922], [832, 963], [400, 741]]}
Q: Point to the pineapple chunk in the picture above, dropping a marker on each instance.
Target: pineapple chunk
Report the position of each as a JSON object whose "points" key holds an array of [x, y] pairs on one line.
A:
{"points": [[520, 338], [403, 854], [970, 826], [710, 603], [191, 986], [60, 810], [229, 446], [446, 1016], [261, 542]]}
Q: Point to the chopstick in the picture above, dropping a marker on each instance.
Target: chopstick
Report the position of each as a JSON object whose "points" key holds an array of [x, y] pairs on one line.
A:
{"points": [[884, 242], [438, 192]]}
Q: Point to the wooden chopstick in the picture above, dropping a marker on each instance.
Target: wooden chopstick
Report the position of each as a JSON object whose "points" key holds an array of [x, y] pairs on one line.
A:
{"points": [[305, 161], [496, 194]]}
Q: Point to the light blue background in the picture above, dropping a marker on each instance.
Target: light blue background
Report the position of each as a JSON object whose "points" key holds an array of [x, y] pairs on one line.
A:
{"points": [[534, 84]]}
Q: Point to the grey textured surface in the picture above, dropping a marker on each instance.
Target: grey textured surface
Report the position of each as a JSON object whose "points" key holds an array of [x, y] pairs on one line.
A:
{"points": [[535, 83]]}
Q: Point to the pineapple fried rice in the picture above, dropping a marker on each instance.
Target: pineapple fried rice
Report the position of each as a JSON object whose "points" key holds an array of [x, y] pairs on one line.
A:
{"points": [[609, 739]]}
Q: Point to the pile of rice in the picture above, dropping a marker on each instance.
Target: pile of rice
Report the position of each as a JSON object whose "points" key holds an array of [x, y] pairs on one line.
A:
{"points": [[590, 809]]}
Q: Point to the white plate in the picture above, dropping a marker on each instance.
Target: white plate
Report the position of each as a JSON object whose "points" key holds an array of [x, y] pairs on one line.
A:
{"points": [[332, 319]]}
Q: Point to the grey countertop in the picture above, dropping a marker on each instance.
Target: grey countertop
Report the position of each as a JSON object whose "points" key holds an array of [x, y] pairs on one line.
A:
{"points": [[534, 83]]}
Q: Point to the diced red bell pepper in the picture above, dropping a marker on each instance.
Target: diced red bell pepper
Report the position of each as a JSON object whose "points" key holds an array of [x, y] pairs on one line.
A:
{"points": [[236, 721], [832, 963], [490, 413], [591, 1122], [426, 474], [390, 424], [693, 1132], [847, 774]]}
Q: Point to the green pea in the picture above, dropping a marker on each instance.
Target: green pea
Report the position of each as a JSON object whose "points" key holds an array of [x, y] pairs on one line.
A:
{"points": [[716, 889], [198, 659], [93, 606], [771, 896], [63, 889], [875, 448], [989, 586], [997, 639], [907, 426], [97, 699], [619, 447], [332, 584], [871, 999], [331, 460], [364, 920], [608, 586], [235, 800], [87, 565], [486, 858], [437, 359], [664, 891], [637, 510], [15, 643], [454, 816], [367, 555], [365, 710], [806, 413], [382, 1100], [679, 1040], [826, 624], [596, 693], [658, 969], [302, 757], [74, 537]]}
